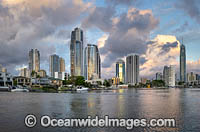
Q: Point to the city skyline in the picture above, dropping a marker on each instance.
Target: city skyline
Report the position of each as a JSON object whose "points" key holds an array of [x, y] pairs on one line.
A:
{"points": [[148, 29]]}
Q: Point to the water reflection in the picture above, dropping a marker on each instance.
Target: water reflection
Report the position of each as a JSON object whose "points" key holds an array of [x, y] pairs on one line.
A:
{"points": [[181, 104]]}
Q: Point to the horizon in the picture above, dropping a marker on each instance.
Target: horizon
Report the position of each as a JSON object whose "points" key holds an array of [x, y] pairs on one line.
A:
{"points": [[118, 28]]}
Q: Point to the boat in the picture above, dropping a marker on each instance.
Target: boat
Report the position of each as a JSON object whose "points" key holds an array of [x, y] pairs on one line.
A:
{"points": [[80, 88], [19, 89]]}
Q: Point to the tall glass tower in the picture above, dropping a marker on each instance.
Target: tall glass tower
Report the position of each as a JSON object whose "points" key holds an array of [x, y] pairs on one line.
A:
{"points": [[54, 64], [76, 52], [92, 62], [132, 69], [120, 70], [182, 63], [34, 60]]}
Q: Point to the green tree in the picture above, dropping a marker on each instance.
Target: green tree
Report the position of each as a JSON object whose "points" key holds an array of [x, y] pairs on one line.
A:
{"points": [[158, 83], [79, 80], [106, 83]]}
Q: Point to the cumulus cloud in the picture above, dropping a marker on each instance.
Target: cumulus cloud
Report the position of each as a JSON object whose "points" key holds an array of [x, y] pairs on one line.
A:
{"points": [[162, 50], [26, 24], [128, 35]]}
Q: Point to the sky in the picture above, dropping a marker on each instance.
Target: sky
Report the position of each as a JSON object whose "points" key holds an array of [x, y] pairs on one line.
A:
{"points": [[152, 29]]}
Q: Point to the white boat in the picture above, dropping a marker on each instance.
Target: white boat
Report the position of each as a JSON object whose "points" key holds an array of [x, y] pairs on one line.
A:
{"points": [[20, 89], [80, 88]]}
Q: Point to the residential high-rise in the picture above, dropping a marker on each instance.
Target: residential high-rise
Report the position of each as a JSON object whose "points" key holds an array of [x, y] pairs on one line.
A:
{"points": [[42, 73], [92, 62], [169, 76], [159, 76], [25, 72], [1, 68], [34, 60], [182, 63], [191, 77], [76, 52], [54, 64], [132, 69], [62, 64], [120, 70]]}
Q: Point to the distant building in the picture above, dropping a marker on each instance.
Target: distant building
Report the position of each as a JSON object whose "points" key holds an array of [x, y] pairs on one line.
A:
{"points": [[4, 70], [59, 75], [115, 81], [76, 52], [25, 72], [182, 63], [159, 76], [42, 73], [57, 64], [34, 60], [191, 78], [1, 68], [54, 64], [132, 69], [62, 64], [92, 62], [169, 76], [144, 80], [6, 79], [120, 70]]}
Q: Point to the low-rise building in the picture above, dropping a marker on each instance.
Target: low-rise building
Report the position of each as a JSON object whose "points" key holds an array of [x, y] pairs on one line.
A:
{"points": [[6, 79], [59, 75], [20, 80]]}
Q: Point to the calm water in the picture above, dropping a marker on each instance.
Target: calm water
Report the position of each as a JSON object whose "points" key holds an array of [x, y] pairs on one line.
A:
{"points": [[181, 104]]}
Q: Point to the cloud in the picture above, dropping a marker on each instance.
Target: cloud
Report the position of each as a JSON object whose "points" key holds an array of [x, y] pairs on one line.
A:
{"points": [[182, 28], [162, 50], [128, 35], [27, 24], [191, 7], [100, 17], [121, 2]]}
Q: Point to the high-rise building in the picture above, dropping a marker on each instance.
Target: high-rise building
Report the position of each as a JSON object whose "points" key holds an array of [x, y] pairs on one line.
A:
{"points": [[120, 70], [25, 72], [132, 69], [42, 73], [92, 62], [62, 64], [76, 52], [54, 64], [166, 75], [182, 63], [169, 76], [159, 76], [1, 68], [34, 60], [191, 77]]}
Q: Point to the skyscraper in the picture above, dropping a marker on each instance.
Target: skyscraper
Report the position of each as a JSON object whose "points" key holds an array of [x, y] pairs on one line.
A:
{"points": [[62, 65], [120, 70], [54, 64], [34, 60], [92, 62], [159, 76], [24, 72], [169, 76], [182, 63], [132, 69], [76, 52]]}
